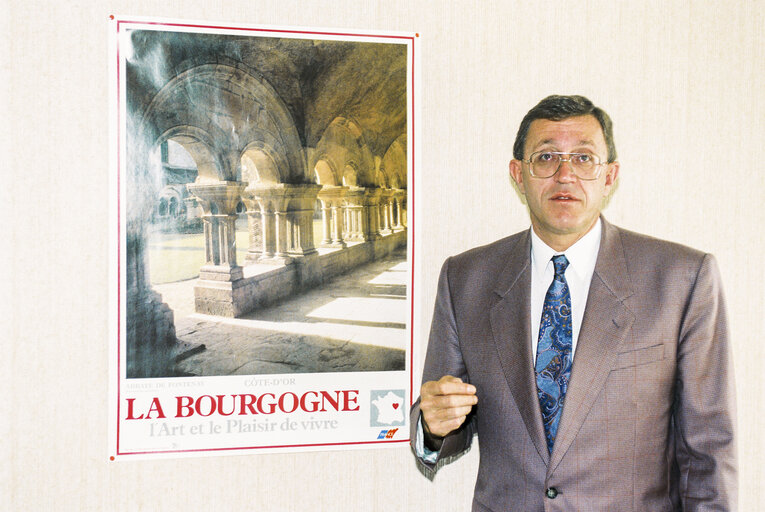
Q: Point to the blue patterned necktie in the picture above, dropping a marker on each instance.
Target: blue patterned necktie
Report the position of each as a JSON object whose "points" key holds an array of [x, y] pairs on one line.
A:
{"points": [[553, 365]]}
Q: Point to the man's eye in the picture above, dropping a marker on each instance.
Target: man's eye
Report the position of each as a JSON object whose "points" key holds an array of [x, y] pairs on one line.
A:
{"points": [[583, 158], [545, 157]]}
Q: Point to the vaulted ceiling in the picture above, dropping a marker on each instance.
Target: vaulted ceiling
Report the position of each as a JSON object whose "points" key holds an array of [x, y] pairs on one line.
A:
{"points": [[317, 80]]}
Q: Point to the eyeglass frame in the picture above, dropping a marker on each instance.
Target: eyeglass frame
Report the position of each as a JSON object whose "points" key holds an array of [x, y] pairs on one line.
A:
{"points": [[531, 167]]}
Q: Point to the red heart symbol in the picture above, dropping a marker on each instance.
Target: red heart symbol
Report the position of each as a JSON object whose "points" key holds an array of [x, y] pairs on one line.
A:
{"points": [[395, 406]]}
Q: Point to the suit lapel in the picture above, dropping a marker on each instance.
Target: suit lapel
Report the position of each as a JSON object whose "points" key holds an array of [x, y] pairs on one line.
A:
{"points": [[607, 322], [510, 325]]}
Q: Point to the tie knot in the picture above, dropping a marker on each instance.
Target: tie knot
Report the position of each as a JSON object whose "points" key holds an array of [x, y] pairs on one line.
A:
{"points": [[560, 263]]}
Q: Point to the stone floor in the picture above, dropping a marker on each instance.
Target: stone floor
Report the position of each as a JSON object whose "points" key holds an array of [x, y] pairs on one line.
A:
{"points": [[357, 322]]}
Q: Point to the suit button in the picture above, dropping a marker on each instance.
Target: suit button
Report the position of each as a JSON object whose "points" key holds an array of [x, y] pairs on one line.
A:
{"points": [[551, 492]]}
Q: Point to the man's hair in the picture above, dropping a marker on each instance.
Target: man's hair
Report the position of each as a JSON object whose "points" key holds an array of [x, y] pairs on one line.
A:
{"points": [[558, 108]]}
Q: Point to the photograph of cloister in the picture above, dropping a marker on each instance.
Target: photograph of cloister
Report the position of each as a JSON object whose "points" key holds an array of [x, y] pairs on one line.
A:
{"points": [[265, 215]]}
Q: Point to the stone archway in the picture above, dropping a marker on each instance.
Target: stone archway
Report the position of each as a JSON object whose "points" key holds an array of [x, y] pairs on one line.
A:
{"points": [[331, 198], [198, 143], [344, 144], [237, 110], [394, 164]]}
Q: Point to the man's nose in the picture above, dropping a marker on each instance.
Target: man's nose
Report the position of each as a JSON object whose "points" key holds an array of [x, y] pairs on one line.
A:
{"points": [[565, 172]]}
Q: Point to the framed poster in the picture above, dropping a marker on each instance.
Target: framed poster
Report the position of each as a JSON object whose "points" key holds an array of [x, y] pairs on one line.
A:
{"points": [[261, 238]]}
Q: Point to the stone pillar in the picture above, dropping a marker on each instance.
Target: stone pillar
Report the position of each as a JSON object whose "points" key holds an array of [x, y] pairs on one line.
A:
{"points": [[399, 196], [332, 198], [264, 249], [386, 197], [346, 222], [299, 206], [192, 208], [326, 214], [287, 219], [282, 235], [354, 207], [151, 343], [371, 213], [353, 212], [255, 229], [218, 201], [363, 207], [151, 346], [337, 225]]}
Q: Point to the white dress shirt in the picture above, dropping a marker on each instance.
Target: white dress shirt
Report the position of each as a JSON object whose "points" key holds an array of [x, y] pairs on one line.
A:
{"points": [[581, 257], [581, 265]]}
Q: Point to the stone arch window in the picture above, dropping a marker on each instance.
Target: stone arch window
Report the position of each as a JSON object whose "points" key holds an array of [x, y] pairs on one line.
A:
{"points": [[172, 207], [175, 155], [350, 176], [324, 172], [188, 153], [382, 179], [260, 165], [162, 207], [344, 145], [394, 163]]}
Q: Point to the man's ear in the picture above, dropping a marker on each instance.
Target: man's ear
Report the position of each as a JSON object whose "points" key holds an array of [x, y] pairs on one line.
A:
{"points": [[516, 172], [611, 174]]}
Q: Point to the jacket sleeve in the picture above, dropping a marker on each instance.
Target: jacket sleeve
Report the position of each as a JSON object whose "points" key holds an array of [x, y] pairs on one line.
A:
{"points": [[443, 357], [705, 400]]}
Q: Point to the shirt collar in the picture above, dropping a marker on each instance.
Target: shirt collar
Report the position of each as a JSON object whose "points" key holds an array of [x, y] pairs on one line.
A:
{"points": [[581, 256]]}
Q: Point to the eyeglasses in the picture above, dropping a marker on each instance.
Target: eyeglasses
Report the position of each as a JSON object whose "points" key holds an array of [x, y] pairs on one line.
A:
{"points": [[544, 164]]}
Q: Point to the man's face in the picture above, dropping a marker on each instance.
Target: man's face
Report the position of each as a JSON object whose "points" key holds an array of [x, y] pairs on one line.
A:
{"points": [[563, 208]]}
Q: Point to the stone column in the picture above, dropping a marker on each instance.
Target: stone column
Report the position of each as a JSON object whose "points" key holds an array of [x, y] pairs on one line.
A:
{"points": [[326, 221], [354, 221], [287, 220], [192, 208], [268, 222], [282, 235], [346, 221], [218, 201], [354, 207], [386, 197], [265, 248], [254, 228], [399, 196], [371, 214], [332, 196], [218, 291], [151, 344], [363, 206], [299, 206]]}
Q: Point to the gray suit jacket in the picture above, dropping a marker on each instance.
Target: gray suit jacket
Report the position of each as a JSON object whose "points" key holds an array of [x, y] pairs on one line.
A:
{"points": [[649, 418]]}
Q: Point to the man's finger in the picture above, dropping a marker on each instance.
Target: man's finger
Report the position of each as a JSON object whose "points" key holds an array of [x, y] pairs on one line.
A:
{"points": [[449, 401], [449, 414], [448, 386]]}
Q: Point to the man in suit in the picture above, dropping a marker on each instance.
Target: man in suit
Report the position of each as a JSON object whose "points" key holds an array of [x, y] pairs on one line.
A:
{"points": [[593, 362]]}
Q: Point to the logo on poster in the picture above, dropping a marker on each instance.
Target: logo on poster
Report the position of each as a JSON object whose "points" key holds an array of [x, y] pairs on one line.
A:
{"points": [[388, 407], [387, 433]]}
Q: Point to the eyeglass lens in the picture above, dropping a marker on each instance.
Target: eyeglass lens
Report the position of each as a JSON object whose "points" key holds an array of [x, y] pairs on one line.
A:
{"points": [[545, 164]]}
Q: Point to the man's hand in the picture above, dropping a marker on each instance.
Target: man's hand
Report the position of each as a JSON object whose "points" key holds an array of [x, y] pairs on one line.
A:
{"points": [[444, 403]]}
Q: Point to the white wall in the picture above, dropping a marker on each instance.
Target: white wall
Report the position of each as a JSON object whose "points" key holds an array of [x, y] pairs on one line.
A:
{"points": [[682, 81]]}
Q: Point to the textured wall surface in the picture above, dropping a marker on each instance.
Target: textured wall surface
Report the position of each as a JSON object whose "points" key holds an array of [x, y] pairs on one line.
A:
{"points": [[682, 81]]}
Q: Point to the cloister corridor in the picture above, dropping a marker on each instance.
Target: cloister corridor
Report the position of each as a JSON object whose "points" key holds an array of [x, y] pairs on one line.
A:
{"points": [[356, 322]]}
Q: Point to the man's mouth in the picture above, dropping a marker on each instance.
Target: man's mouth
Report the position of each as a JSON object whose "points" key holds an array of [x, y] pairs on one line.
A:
{"points": [[563, 197]]}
